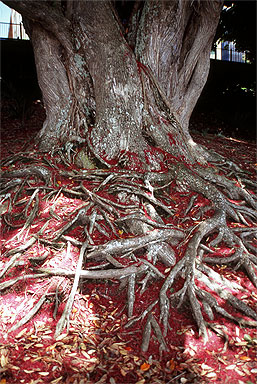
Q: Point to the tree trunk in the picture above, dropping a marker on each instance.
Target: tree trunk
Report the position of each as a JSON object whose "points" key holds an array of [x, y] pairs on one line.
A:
{"points": [[53, 81], [117, 86], [177, 50], [127, 97]]}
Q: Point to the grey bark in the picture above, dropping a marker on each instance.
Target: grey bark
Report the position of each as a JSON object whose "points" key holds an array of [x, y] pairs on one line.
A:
{"points": [[94, 88], [53, 81], [174, 40], [118, 95]]}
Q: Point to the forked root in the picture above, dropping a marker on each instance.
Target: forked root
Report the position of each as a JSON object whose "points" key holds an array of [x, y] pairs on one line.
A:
{"points": [[137, 212]]}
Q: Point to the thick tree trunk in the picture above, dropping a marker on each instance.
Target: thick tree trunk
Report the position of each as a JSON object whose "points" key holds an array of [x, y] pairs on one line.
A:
{"points": [[129, 96], [53, 81], [177, 49], [117, 86]]}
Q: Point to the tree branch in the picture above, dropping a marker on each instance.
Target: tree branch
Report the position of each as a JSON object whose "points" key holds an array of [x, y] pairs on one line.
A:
{"points": [[50, 18]]}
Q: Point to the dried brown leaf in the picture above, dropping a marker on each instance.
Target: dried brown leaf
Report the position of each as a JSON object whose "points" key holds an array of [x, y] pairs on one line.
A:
{"points": [[229, 367], [22, 332], [58, 380], [240, 373], [84, 353], [3, 361], [211, 375]]}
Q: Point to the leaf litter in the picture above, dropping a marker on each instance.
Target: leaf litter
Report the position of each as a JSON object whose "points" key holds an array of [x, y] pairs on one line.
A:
{"points": [[98, 348]]}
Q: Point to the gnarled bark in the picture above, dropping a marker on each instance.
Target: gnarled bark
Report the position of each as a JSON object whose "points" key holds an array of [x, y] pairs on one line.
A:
{"points": [[174, 40], [124, 95]]}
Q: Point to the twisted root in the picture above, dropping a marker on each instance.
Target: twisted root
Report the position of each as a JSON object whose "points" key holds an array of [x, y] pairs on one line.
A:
{"points": [[140, 207]]}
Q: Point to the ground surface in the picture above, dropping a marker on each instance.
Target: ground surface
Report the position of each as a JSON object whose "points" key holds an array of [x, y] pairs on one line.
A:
{"points": [[98, 348]]}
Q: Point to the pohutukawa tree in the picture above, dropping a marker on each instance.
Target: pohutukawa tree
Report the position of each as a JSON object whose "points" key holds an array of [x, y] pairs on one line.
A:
{"points": [[119, 82]]}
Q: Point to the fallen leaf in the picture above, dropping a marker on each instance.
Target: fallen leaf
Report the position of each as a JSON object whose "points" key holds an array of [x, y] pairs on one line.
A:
{"points": [[56, 380], [91, 351], [123, 372], [247, 338], [14, 367], [21, 333], [211, 375], [240, 373], [123, 352], [84, 353], [241, 344], [61, 337], [129, 349], [171, 365], [229, 367], [3, 361], [144, 367], [206, 367], [245, 358], [246, 371]]}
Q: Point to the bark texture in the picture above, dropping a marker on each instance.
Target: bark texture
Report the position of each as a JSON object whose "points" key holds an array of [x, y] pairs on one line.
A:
{"points": [[124, 87], [174, 40]]}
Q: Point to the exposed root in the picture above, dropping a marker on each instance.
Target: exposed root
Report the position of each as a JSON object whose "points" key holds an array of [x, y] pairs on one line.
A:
{"points": [[132, 229], [30, 314], [98, 274], [64, 320]]}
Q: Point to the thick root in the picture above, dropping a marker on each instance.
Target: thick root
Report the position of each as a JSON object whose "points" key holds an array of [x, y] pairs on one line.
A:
{"points": [[131, 230]]}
